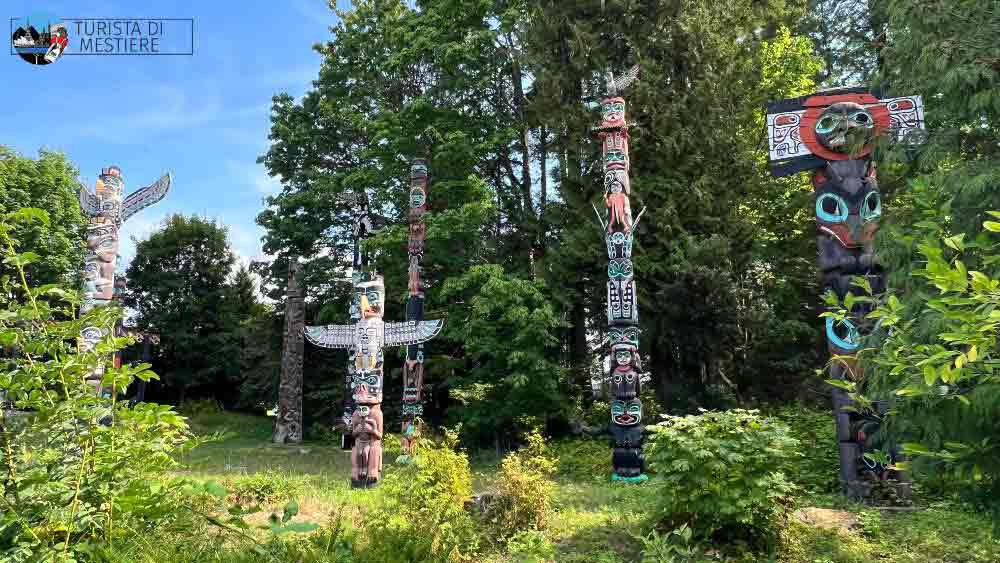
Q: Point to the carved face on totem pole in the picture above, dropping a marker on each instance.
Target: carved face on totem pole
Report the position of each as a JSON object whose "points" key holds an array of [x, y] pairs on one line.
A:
{"points": [[613, 112], [109, 189], [625, 371], [102, 255]]}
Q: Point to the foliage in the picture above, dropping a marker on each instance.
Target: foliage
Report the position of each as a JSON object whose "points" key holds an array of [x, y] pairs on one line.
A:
{"points": [[720, 472], [676, 546], [265, 488], [523, 491], [48, 182], [199, 407], [179, 287], [420, 514], [507, 329], [81, 472], [816, 470], [935, 358], [581, 459], [531, 546]]}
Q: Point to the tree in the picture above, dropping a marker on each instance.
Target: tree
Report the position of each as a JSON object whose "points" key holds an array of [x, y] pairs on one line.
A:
{"points": [[178, 288], [48, 182]]}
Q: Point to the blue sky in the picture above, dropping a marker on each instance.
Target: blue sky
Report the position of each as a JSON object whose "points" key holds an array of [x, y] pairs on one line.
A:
{"points": [[205, 117]]}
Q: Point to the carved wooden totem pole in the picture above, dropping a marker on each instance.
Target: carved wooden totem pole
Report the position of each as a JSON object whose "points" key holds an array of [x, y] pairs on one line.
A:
{"points": [[413, 368], [365, 340], [623, 314], [107, 212], [832, 134], [288, 420]]}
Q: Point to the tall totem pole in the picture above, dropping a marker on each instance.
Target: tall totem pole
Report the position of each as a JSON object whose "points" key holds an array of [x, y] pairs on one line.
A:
{"points": [[413, 368], [365, 340], [107, 212], [623, 312], [832, 134], [288, 419]]}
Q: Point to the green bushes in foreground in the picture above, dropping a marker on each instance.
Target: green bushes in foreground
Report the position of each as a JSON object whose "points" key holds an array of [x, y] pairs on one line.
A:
{"points": [[720, 474]]}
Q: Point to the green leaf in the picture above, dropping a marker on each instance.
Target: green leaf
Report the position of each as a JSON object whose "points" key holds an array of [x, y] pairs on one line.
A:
{"points": [[992, 226], [297, 527], [291, 509], [841, 384], [215, 489], [930, 374]]}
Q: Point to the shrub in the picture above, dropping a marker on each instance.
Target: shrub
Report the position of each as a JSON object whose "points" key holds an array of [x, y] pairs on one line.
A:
{"points": [[199, 407], [816, 470], [531, 546], [720, 472], [419, 513], [81, 469], [582, 459], [267, 487], [524, 491]]}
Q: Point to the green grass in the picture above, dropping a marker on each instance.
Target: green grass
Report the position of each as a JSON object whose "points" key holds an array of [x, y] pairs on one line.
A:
{"points": [[593, 519]]}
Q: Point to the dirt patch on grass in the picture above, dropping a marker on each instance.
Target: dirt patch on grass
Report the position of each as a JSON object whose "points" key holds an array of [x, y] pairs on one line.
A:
{"points": [[827, 519]]}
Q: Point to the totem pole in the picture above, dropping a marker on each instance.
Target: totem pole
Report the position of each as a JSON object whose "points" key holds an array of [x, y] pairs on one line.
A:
{"points": [[365, 340], [413, 368], [832, 134], [107, 212], [623, 313], [288, 420]]}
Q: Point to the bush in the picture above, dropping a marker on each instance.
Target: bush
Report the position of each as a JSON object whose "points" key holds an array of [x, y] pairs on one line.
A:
{"points": [[80, 471], [420, 514], [531, 546], [721, 472], [200, 407], [582, 459], [524, 491], [267, 487], [817, 469]]}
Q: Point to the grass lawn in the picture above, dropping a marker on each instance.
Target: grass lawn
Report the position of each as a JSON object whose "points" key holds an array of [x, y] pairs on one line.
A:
{"points": [[594, 520]]}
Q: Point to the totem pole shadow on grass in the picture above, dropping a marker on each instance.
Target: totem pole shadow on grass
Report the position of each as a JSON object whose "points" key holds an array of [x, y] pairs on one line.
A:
{"points": [[369, 335], [623, 314], [832, 134]]}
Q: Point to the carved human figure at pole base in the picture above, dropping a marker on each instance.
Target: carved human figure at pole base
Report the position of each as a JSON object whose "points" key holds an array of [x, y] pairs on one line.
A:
{"points": [[832, 134], [365, 341], [107, 211]]}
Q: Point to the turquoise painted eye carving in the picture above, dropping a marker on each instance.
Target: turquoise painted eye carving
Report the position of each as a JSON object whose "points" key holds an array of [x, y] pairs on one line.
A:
{"points": [[871, 208], [850, 341], [827, 124], [831, 208]]}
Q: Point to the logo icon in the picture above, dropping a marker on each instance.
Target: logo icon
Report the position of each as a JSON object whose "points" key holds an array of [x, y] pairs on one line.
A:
{"points": [[40, 38]]}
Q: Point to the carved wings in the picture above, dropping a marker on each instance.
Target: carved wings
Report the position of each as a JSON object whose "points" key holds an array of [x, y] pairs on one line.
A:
{"points": [[396, 334], [411, 332], [331, 336], [144, 197], [616, 85], [89, 202]]}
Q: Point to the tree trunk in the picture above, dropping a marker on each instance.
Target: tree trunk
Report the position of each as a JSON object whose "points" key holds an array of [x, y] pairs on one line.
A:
{"points": [[288, 420]]}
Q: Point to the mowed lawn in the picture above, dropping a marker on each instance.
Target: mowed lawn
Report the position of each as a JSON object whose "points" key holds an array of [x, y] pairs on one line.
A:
{"points": [[594, 520]]}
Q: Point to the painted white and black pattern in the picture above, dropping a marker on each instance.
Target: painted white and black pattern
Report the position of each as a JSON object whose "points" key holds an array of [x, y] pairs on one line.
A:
{"points": [[619, 225]]}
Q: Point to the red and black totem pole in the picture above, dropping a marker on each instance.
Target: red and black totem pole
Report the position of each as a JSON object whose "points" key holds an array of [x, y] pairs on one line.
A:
{"points": [[413, 368], [832, 134], [625, 425]]}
